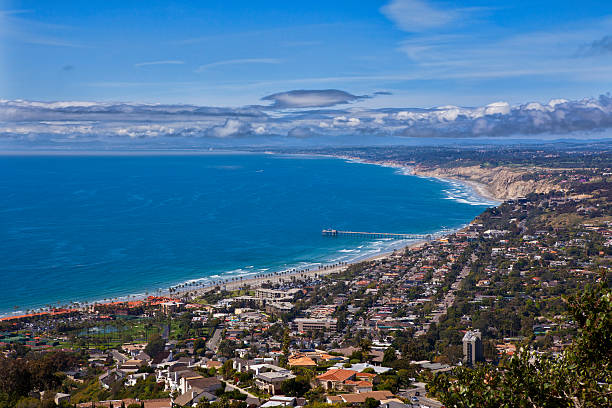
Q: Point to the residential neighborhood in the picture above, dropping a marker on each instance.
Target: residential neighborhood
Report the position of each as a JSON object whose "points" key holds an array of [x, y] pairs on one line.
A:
{"points": [[374, 333]]}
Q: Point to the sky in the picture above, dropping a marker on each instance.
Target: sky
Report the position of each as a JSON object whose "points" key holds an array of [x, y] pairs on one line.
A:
{"points": [[296, 70]]}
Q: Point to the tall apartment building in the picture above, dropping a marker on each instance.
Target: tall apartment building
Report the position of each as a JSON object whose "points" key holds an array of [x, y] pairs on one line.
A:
{"points": [[472, 347]]}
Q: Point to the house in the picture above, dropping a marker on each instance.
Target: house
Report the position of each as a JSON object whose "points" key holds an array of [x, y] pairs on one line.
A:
{"points": [[271, 381], [110, 377], [213, 364], [364, 366], [132, 379], [263, 368], [172, 375], [134, 349], [152, 403], [131, 366], [142, 356], [280, 401], [61, 398], [360, 398], [346, 380], [192, 398], [117, 356], [302, 362], [199, 384], [394, 404], [241, 365]]}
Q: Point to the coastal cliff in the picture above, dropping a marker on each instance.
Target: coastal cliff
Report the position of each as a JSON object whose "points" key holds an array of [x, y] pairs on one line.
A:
{"points": [[501, 183]]}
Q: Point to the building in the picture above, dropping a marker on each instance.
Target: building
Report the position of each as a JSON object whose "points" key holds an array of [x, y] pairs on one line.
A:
{"points": [[279, 307], [280, 401], [61, 398], [152, 403], [169, 308], [273, 294], [346, 380], [303, 324], [360, 398], [271, 381], [204, 384], [302, 362], [472, 347]]}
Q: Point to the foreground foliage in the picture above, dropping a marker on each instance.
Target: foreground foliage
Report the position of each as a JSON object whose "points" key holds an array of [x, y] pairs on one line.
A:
{"points": [[580, 377]]}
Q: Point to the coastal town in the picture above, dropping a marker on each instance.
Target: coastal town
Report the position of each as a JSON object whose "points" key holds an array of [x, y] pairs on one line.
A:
{"points": [[381, 332]]}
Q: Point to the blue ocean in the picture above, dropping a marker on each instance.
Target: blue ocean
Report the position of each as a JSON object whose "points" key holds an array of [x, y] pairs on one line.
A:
{"points": [[96, 227]]}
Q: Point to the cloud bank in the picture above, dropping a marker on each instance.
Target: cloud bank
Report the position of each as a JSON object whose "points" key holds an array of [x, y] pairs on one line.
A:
{"points": [[296, 115]]}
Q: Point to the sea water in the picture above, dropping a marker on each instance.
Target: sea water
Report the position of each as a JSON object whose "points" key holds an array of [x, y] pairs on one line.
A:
{"points": [[96, 227]]}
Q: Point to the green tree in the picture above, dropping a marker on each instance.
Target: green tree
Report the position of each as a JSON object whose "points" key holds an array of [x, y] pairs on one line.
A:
{"points": [[155, 346], [15, 379], [227, 348], [581, 377], [389, 356], [371, 403], [227, 369], [296, 387]]}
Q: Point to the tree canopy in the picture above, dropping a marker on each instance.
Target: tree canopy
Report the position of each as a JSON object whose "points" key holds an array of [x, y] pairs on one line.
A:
{"points": [[580, 377]]}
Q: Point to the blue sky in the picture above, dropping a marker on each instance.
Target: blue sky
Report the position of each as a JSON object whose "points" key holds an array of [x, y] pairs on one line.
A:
{"points": [[234, 52], [399, 53]]}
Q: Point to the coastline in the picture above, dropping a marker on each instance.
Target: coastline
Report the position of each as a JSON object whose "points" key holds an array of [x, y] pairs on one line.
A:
{"points": [[229, 283], [480, 189], [197, 286], [273, 278]]}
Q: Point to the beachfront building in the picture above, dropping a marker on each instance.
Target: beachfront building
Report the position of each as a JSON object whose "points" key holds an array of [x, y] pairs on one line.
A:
{"points": [[275, 294], [171, 307]]}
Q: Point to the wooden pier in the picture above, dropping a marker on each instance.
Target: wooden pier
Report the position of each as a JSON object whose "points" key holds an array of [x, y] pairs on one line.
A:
{"points": [[361, 234]]}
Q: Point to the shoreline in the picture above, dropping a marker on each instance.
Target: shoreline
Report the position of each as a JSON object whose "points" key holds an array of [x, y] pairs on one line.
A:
{"points": [[273, 278], [480, 189], [229, 283], [207, 283]]}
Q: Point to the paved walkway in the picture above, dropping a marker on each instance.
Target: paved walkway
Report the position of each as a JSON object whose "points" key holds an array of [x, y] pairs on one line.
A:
{"points": [[234, 387], [214, 341]]}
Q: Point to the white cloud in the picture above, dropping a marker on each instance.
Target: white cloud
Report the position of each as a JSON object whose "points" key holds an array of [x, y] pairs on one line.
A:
{"points": [[310, 98], [417, 15], [231, 128], [242, 61], [87, 121], [260, 130]]}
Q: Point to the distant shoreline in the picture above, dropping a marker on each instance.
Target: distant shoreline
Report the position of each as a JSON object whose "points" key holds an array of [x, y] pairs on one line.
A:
{"points": [[480, 189]]}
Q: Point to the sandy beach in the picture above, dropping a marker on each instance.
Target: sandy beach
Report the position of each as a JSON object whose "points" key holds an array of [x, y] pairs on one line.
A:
{"points": [[279, 278], [479, 188]]}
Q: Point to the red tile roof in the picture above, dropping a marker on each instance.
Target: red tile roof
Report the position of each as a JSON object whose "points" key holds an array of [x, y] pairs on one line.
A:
{"points": [[338, 374]]}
